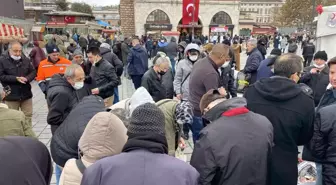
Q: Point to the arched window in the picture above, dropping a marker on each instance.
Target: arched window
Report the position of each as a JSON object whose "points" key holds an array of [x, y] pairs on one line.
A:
{"points": [[221, 18], [158, 17]]}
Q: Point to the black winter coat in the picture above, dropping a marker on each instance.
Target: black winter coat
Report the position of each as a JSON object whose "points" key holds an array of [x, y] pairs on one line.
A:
{"points": [[228, 81], [153, 83], [167, 82], [9, 70], [61, 98], [113, 59], [308, 50], [291, 112], [64, 143], [252, 65], [317, 82], [105, 78], [234, 149]]}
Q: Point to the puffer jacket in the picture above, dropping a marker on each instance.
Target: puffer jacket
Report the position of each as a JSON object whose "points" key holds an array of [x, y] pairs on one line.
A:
{"points": [[9, 70], [168, 107], [105, 77], [64, 143], [61, 98], [13, 123], [252, 64], [104, 135], [182, 75]]}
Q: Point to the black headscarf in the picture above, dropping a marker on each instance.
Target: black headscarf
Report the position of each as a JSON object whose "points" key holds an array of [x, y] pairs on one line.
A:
{"points": [[24, 161]]}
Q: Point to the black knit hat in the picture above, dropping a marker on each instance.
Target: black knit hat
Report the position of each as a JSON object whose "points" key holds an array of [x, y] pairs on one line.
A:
{"points": [[147, 118], [52, 49], [321, 55]]}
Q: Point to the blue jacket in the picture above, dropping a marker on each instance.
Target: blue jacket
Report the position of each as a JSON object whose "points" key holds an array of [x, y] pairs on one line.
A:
{"points": [[137, 60], [252, 64], [264, 71]]}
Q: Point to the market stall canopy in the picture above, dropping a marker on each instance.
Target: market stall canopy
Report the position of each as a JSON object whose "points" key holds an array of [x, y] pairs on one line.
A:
{"points": [[102, 23], [10, 33]]}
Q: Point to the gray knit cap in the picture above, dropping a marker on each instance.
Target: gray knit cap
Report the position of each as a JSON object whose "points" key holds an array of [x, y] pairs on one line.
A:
{"points": [[147, 118], [78, 52]]}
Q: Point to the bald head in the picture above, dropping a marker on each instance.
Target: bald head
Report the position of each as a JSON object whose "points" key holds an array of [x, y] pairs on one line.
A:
{"points": [[220, 54]]}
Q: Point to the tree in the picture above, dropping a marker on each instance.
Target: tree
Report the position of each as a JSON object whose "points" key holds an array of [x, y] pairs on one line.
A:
{"points": [[81, 7], [62, 5], [298, 12]]}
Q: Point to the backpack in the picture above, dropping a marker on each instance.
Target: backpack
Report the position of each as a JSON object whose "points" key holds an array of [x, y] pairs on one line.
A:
{"points": [[80, 165]]}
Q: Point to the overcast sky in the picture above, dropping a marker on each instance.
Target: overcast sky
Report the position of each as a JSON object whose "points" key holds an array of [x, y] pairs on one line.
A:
{"points": [[99, 2]]}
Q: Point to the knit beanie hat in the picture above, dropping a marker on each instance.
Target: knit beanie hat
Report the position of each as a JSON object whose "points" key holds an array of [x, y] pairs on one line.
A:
{"points": [[321, 55], [52, 49], [78, 52], [147, 118]]}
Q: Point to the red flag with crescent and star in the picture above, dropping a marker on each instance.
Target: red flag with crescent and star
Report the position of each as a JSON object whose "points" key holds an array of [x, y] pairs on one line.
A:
{"points": [[69, 19], [190, 11]]}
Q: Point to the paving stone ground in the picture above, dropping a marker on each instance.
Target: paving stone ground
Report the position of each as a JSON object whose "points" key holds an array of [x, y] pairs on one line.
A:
{"points": [[40, 111]]}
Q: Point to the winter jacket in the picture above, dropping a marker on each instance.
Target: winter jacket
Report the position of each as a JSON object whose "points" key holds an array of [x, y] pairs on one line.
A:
{"points": [[167, 82], [62, 49], [124, 52], [142, 164], [9, 70], [94, 43], [61, 99], [317, 82], [262, 49], [71, 50], [24, 161], [153, 83], [183, 45], [105, 78], [64, 143], [168, 107], [113, 59], [104, 135], [264, 71], [13, 123], [83, 43], [291, 112], [235, 148], [204, 76], [36, 56], [252, 64], [228, 81], [137, 61], [308, 50], [171, 48], [182, 75]]}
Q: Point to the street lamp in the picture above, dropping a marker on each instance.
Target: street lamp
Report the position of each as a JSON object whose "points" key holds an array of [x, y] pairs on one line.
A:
{"points": [[313, 15]]}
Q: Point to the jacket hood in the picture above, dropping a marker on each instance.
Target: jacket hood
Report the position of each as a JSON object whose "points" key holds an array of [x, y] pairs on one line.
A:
{"points": [[59, 80], [103, 51], [139, 97], [173, 39], [217, 111], [105, 135], [277, 88], [24, 160], [190, 47], [183, 44]]}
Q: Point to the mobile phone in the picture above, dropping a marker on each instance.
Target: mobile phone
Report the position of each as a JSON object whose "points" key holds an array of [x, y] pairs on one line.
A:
{"points": [[7, 90]]}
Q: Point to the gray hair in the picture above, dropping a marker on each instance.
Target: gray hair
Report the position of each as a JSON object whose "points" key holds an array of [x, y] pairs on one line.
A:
{"points": [[11, 44], [287, 65], [160, 61], [70, 70], [253, 42]]}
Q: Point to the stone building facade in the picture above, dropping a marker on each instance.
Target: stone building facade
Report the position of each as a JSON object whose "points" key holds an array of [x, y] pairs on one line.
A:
{"points": [[212, 13]]}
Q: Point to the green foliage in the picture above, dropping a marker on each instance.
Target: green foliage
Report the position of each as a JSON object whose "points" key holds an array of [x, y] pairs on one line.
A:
{"points": [[81, 7], [62, 5]]}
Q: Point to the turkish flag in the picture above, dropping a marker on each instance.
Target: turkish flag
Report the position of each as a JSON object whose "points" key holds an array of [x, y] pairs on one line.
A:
{"points": [[69, 19], [190, 11]]}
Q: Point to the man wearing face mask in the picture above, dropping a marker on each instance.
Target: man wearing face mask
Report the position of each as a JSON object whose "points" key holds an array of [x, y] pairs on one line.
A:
{"points": [[152, 79], [317, 76], [62, 94], [290, 109], [16, 71], [104, 75], [205, 76]]}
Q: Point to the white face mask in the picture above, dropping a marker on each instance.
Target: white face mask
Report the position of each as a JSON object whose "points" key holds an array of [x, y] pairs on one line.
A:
{"points": [[227, 63], [16, 57], [193, 57], [318, 66], [272, 70], [78, 85]]}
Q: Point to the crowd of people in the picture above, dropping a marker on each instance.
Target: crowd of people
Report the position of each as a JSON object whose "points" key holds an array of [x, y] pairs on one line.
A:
{"points": [[97, 139]]}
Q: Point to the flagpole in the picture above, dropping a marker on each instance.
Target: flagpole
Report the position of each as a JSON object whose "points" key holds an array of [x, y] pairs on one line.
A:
{"points": [[193, 24]]}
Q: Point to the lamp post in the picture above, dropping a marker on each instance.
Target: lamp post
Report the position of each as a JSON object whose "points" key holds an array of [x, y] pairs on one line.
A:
{"points": [[313, 15]]}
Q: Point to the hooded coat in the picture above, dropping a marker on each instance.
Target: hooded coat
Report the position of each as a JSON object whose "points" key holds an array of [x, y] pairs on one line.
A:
{"points": [[64, 143], [137, 61], [108, 55], [235, 148], [24, 161], [171, 48], [291, 112], [104, 135]]}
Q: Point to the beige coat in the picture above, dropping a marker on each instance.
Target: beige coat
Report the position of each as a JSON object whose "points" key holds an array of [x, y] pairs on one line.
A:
{"points": [[105, 135]]}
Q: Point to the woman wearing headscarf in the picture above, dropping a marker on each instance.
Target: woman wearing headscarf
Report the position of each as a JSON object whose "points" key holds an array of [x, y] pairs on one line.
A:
{"points": [[24, 161]]}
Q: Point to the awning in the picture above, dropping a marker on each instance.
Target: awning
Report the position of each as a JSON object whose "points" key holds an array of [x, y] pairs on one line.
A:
{"points": [[102, 23], [10, 31]]}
